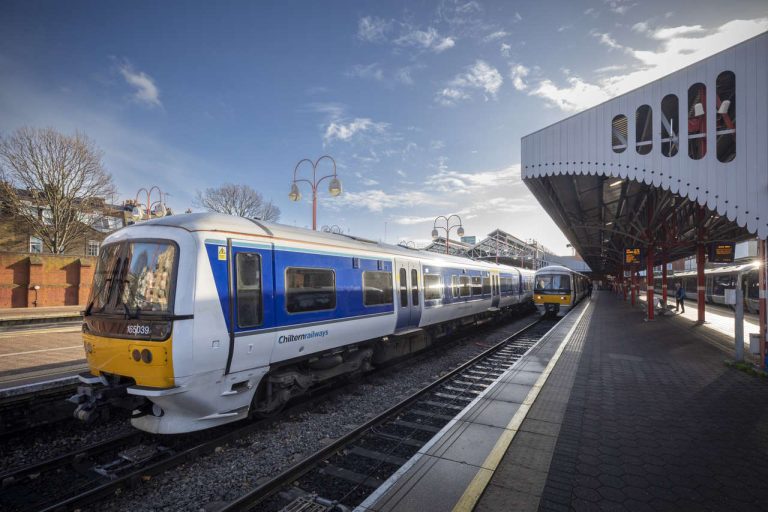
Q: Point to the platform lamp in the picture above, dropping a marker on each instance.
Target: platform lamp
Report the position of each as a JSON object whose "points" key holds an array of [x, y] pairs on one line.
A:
{"points": [[334, 186], [448, 227]]}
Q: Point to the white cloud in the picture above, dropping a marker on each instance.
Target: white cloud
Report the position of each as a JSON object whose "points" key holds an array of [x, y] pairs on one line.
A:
{"points": [[677, 47], [428, 39], [377, 200], [499, 34], [619, 6], [436, 145], [473, 182], [663, 34], [370, 71], [517, 74], [146, 92], [608, 41], [641, 27], [344, 132], [480, 75], [404, 75], [449, 96], [401, 173], [373, 29]]}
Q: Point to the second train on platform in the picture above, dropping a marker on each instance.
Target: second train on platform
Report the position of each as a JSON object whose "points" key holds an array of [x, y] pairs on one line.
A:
{"points": [[558, 289]]}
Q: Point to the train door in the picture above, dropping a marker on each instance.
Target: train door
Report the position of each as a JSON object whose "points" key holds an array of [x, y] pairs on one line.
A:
{"points": [[408, 276], [495, 291], [251, 272]]}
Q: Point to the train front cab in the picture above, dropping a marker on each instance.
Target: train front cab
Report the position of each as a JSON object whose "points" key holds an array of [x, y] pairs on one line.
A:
{"points": [[554, 292]]}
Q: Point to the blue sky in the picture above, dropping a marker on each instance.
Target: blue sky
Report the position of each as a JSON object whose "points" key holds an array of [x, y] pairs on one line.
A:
{"points": [[422, 104]]}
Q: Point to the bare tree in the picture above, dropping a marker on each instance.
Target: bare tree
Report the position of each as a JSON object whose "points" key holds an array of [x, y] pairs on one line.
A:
{"points": [[54, 182], [240, 200]]}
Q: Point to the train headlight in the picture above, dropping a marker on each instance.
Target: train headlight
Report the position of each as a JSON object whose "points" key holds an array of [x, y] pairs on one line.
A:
{"points": [[136, 355], [157, 410], [562, 298], [146, 356]]}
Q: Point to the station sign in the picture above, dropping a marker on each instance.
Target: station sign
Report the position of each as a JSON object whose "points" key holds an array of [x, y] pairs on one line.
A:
{"points": [[722, 252], [633, 255]]}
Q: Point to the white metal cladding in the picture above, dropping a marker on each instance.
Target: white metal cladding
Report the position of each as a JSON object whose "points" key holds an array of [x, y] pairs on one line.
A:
{"points": [[738, 189]]}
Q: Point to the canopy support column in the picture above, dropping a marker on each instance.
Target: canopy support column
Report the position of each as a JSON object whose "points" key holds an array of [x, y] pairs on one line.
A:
{"points": [[700, 282], [633, 283], [664, 279], [762, 257], [649, 281]]}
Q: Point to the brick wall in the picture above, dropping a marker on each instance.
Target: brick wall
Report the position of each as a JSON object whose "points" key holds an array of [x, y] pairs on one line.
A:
{"points": [[63, 280]]}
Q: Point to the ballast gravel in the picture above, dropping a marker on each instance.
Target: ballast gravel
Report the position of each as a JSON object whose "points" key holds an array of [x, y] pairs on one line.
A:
{"points": [[231, 470]]}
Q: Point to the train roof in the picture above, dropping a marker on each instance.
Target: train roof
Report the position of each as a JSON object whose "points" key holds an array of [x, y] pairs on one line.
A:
{"points": [[557, 268], [233, 225]]}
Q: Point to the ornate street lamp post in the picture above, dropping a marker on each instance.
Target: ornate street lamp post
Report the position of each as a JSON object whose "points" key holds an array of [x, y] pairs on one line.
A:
{"points": [[334, 187], [139, 213], [448, 227]]}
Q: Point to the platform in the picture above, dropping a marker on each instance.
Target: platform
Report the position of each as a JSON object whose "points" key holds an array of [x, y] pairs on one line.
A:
{"points": [[608, 412], [40, 356]]}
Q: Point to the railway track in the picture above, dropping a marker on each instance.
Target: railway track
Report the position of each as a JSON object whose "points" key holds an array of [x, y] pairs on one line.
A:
{"points": [[43, 407], [343, 474], [94, 472]]}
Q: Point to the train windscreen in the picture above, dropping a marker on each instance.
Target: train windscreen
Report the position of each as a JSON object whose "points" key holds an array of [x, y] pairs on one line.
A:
{"points": [[133, 278], [553, 283]]}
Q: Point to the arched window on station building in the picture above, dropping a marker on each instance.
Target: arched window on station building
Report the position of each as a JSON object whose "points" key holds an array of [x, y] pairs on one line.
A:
{"points": [[697, 121], [643, 130], [619, 133], [670, 125], [725, 102]]}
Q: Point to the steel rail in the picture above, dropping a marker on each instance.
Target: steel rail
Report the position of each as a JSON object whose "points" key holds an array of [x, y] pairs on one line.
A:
{"points": [[268, 489]]}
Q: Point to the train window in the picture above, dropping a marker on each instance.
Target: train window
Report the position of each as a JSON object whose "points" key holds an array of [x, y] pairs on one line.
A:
{"points": [[309, 289], [455, 283], [403, 288], [148, 275], [643, 130], [486, 285], [465, 291], [670, 125], [725, 102], [720, 283], [414, 287], [377, 288], [553, 283], [248, 272], [619, 133], [697, 121], [477, 286], [433, 288]]}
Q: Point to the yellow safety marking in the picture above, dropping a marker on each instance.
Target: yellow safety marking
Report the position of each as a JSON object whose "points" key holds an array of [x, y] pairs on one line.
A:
{"points": [[41, 350], [115, 356], [478, 484]]}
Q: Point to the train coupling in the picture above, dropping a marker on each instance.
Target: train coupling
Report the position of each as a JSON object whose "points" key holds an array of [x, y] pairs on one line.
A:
{"points": [[98, 395]]}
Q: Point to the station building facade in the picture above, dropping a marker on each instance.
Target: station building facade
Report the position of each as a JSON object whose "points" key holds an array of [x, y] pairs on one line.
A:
{"points": [[669, 169]]}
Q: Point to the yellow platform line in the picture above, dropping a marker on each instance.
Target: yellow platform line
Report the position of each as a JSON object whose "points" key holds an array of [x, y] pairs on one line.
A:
{"points": [[478, 484]]}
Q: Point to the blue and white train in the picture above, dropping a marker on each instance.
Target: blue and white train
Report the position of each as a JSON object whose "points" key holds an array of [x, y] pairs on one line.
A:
{"points": [[202, 319]]}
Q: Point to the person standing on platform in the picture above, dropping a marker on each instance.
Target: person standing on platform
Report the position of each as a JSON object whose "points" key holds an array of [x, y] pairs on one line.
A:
{"points": [[679, 297]]}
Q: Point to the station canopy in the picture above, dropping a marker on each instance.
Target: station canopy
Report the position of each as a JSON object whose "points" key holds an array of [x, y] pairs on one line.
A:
{"points": [[679, 162]]}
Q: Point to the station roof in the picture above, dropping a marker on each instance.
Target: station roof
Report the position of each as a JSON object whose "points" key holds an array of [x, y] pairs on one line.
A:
{"points": [[610, 182]]}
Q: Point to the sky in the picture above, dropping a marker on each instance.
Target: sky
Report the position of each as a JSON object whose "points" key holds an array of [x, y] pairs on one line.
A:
{"points": [[421, 104]]}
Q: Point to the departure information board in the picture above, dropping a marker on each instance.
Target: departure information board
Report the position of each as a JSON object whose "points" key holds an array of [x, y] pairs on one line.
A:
{"points": [[722, 252], [633, 255]]}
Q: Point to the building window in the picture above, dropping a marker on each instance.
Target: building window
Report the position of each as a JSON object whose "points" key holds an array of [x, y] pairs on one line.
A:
{"points": [[670, 125], [643, 130], [697, 121], [309, 289], [35, 245], [433, 288], [248, 272], [619, 134], [726, 116], [377, 288], [92, 249]]}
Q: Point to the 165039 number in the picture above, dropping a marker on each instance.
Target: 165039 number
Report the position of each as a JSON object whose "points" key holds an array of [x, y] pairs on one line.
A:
{"points": [[137, 329]]}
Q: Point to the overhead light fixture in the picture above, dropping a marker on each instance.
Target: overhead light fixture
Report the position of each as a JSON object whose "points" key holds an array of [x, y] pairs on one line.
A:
{"points": [[616, 183], [609, 223], [724, 106], [698, 110]]}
